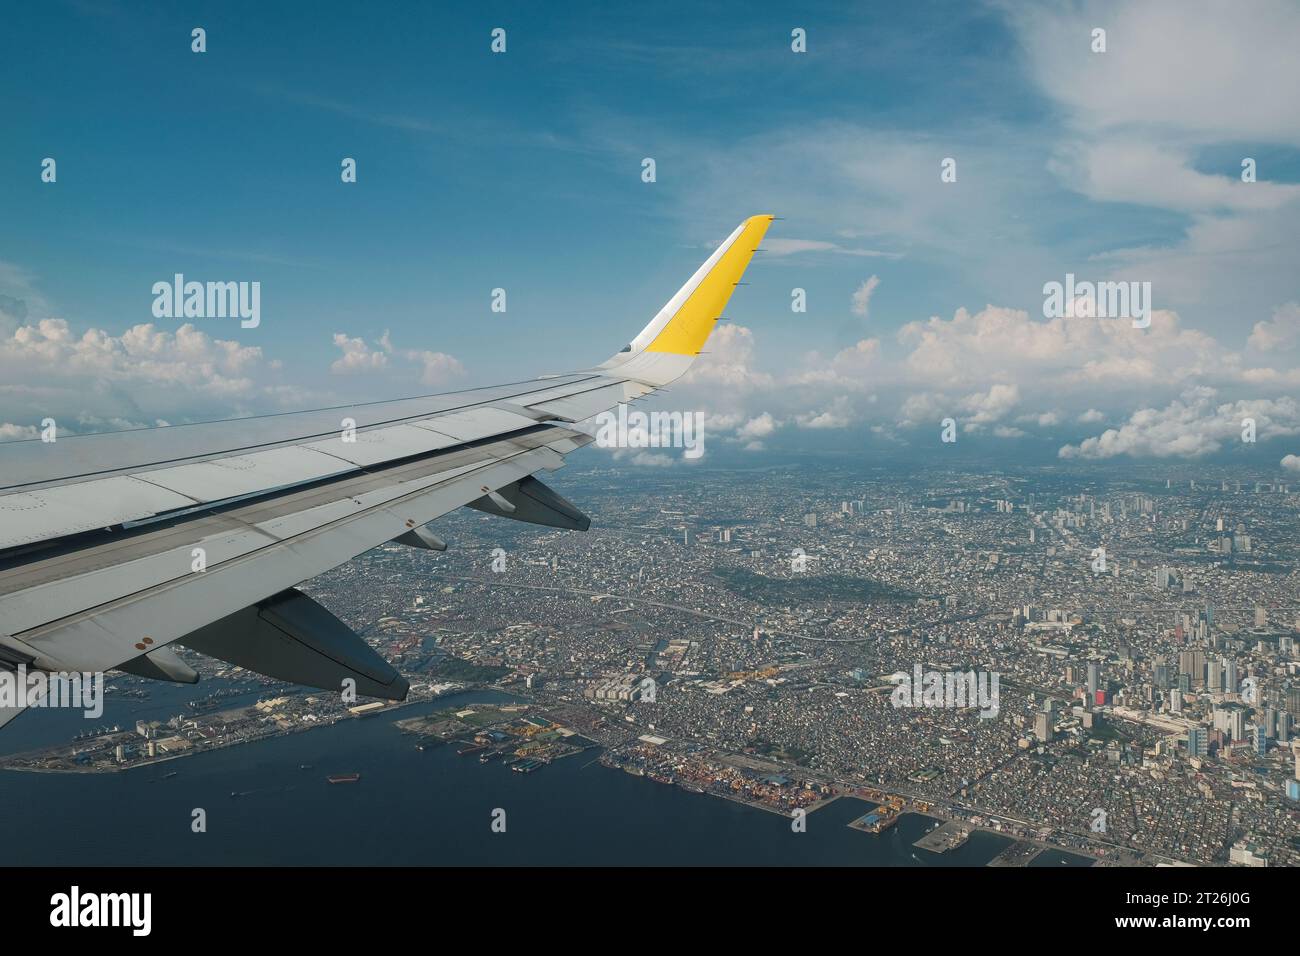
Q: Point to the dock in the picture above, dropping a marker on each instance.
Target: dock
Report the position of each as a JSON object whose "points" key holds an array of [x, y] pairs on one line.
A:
{"points": [[950, 836]]}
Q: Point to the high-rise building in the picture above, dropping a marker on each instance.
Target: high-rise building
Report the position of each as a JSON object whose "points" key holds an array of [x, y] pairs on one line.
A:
{"points": [[1261, 740], [1192, 663], [1043, 727], [1198, 742], [1094, 678], [1214, 677]]}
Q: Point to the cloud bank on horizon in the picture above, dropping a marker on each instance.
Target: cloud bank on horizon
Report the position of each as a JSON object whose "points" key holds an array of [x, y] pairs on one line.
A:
{"points": [[1127, 165]]}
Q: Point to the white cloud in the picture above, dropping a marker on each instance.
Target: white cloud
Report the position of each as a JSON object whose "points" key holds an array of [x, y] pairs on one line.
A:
{"points": [[436, 368], [984, 408], [758, 427], [1190, 427], [357, 356], [1185, 91], [12, 432], [838, 414], [1280, 333], [1208, 70], [728, 364], [439, 368], [93, 379]]}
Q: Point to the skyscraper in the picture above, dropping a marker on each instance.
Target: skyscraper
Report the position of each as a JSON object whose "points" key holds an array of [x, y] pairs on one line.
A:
{"points": [[1043, 727], [1214, 677]]}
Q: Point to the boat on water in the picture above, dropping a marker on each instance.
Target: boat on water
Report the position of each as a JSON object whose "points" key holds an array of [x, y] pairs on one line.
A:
{"points": [[304, 766], [526, 766], [344, 778]]}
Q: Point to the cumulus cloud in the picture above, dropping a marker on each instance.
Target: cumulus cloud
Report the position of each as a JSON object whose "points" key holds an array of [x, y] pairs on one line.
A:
{"points": [[1191, 426], [758, 427], [1073, 351], [436, 368], [11, 432], [357, 356], [983, 408], [837, 414], [998, 371], [1280, 333], [93, 379]]}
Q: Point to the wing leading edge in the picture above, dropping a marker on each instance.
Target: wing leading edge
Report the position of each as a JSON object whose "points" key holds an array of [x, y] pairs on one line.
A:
{"points": [[115, 546]]}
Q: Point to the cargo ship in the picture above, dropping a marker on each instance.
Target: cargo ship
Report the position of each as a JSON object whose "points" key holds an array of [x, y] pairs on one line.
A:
{"points": [[526, 766], [344, 778], [469, 749]]}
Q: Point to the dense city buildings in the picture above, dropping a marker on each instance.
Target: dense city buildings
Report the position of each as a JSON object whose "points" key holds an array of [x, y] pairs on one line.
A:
{"points": [[1147, 670]]}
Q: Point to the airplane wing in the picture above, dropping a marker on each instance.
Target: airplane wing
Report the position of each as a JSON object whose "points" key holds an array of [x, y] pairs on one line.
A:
{"points": [[114, 546]]}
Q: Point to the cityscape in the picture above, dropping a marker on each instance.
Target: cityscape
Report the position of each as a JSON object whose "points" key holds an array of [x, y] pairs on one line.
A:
{"points": [[748, 640]]}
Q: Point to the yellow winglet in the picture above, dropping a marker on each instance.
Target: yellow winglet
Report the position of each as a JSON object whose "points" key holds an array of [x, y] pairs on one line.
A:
{"points": [[689, 328]]}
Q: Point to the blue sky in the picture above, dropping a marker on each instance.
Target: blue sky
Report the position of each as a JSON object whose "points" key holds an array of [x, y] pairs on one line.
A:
{"points": [[522, 171]]}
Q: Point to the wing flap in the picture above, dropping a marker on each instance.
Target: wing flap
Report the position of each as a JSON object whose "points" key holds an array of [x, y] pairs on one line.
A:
{"points": [[31, 516], [223, 478], [383, 444]]}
